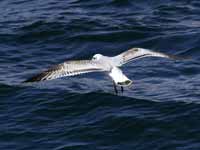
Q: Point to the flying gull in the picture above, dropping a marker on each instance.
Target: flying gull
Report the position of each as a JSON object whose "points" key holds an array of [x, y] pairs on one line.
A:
{"points": [[100, 63]]}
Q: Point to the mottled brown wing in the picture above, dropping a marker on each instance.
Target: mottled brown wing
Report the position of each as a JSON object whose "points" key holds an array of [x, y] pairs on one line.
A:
{"points": [[136, 53], [69, 68]]}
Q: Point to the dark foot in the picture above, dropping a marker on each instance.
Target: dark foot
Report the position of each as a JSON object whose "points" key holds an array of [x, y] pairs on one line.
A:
{"points": [[122, 89], [115, 87]]}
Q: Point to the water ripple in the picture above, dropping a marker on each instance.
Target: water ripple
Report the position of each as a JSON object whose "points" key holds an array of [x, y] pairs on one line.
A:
{"points": [[159, 111]]}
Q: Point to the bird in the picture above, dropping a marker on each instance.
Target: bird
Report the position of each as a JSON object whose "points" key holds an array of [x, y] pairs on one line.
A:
{"points": [[100, 63]]}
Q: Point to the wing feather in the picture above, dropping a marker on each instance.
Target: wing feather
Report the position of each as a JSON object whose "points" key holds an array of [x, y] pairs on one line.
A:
{"points": [[68, 68], [137, 53]]}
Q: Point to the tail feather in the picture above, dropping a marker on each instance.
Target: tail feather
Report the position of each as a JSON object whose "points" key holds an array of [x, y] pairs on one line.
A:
{"points": [[119, 78], [125, 83]]}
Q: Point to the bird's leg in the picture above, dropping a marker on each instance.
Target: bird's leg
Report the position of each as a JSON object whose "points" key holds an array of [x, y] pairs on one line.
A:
{"points": [[115, 87], [122, 89]]}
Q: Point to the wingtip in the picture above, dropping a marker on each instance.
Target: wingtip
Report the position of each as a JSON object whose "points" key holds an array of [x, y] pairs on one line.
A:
{"points": [[36, 78], [30, 80], [174, 57]]}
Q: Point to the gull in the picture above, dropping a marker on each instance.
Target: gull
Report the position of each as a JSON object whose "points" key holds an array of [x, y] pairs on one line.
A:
{"points": [[100, 63]]}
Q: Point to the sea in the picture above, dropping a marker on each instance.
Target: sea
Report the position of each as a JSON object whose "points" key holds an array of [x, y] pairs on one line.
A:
{"points": [[159, 111]]}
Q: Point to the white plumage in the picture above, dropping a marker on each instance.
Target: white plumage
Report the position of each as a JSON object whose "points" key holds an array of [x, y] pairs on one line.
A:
{"points": [[99, 63]]}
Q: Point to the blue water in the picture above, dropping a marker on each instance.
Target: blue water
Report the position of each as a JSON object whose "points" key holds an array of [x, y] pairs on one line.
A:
{"points": [[160, 111]]}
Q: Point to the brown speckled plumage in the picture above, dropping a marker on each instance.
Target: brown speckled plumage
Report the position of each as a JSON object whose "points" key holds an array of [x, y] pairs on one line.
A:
{"points": [[69, 68]]}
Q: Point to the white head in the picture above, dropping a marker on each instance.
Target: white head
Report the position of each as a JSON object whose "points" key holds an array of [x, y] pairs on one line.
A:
{"points": [[97, 57]]}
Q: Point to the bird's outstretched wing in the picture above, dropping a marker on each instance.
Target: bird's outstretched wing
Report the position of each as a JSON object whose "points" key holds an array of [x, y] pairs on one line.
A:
{"points": [[68, 68], [136, 53]]}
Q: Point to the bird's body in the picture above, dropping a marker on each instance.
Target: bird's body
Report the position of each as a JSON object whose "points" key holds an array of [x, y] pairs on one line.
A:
{"points": [[99, 63]]}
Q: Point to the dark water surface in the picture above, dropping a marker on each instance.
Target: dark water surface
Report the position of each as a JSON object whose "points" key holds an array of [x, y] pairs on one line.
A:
{"points": [[160, 111]]}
